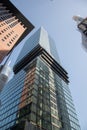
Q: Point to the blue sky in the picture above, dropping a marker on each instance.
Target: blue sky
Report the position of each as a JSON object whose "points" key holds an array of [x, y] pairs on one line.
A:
{"points": [[56, 17]]}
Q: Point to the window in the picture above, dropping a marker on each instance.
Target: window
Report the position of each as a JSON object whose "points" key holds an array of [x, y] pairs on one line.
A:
{"points": [[55, 128], [33, 117], [8, 45], [82, 27]]}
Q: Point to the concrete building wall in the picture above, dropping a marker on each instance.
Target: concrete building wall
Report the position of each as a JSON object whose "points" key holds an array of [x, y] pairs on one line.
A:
{"points": [[13, 27]]}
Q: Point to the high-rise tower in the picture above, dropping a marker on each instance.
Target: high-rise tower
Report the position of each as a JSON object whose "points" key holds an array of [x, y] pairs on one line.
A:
{"points": [[82, 27], [13, 27], [38, 96]]}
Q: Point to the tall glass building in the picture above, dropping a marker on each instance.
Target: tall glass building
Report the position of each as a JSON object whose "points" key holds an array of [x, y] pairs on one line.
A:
{"points": [[38, 96]]}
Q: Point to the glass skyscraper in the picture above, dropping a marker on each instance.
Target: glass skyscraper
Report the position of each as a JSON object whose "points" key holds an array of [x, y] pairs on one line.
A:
{"points": [[38, 96]]}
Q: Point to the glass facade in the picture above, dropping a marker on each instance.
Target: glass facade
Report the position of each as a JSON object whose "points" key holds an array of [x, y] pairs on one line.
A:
{"points": [[39, 38], [38, 96]]}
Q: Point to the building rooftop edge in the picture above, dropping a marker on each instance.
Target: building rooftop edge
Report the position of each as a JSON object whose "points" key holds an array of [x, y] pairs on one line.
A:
{"points": [[37, 51]]}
